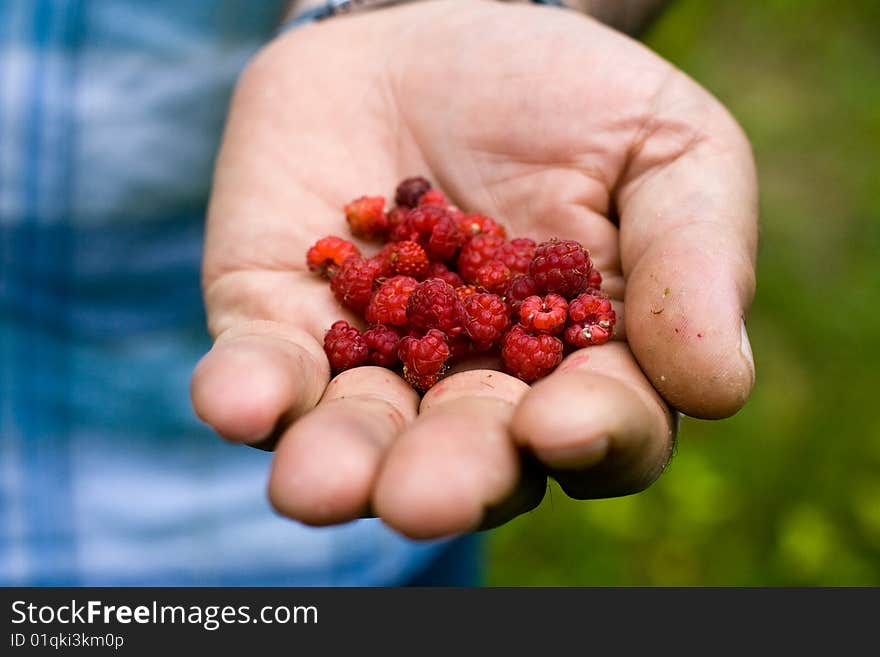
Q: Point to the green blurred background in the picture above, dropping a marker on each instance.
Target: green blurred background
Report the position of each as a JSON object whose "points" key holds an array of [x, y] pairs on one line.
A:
{"points": [[787, 492]]}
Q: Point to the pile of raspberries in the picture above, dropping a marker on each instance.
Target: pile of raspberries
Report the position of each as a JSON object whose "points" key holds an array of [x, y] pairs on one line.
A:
{"points": [[449, 284]]}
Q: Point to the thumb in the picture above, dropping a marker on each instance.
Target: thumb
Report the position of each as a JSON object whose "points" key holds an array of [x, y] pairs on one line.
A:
{"points": [[688, 242]]}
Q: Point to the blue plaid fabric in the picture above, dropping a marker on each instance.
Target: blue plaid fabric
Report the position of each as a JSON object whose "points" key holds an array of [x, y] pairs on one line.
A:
{"points": [[110, 115]]}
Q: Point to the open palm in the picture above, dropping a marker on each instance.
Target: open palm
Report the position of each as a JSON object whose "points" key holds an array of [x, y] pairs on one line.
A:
{"points": [[545, 120]]}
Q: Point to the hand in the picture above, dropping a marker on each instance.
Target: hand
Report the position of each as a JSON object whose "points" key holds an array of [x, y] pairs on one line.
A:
{"points": [[544, 119]]}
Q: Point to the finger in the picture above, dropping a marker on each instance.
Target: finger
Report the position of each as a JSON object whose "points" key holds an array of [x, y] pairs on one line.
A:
{"points": [[326, 463], [456, 460], [688, 208], [256, 375], [597, 424]]}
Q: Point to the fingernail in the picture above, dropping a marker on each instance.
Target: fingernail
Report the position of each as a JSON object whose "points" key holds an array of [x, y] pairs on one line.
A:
{"points": [[576, 456], [746, 348]]}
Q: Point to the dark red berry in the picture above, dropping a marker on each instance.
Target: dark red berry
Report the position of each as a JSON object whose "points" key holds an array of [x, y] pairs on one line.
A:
{"points": [[345, 347], [475, 253], [424, 359], [530, 357], [561, 266], [383, 342], [487, 319], [435, 305], [388, 303], [517, 254], [493, 277], [410, 191], [353, 285], [520, 288]]}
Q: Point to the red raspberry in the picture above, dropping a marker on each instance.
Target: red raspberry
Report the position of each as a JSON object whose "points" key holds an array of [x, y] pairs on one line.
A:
{"points": [[439, 270], [433, 197], [520, 288], [494, 277], [517, 254], [487, 319], [434, 228], [529, 357], [403, 231], [410, 191], [424, 359], [477, 252], [353, 285], [407, 259], [547, 315], [388, 304], [561, 266], [477, 224], [384, 260], [464, 291], [445, 240], [345, 347], [592, 320], [435, 305], [328, 254], [594, 282], [383, 343], [366, 217], [396, 216]]}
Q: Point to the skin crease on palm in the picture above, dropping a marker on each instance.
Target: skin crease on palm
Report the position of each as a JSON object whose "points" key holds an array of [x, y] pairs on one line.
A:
{"points": [[537, 116]]}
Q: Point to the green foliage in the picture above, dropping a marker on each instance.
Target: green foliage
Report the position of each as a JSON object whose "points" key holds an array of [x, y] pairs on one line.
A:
{"points": [[788, 491]]}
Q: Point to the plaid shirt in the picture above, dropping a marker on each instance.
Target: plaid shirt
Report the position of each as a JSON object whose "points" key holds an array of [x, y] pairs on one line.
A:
{"points": [[110, 115]]}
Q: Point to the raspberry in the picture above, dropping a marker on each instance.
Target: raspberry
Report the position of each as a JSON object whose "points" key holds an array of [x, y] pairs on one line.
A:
{"points": [[328, 254], [517, 254], [435, 305], [433, 197], [561, 266], [424, 359], [520, 288], [407, 259], [592, 320], [487, 319], [386, 269], [353, 285], [477, 224], [366, 217], [494, 277], [388, 304], [464, 291], [345, 347], [396, 216], [410, 191], [403, 231], [594, 281], [434, 228], [382, 342], [439, 270], [529, 357], [477, 252], [545, 315], [445, 240]]}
